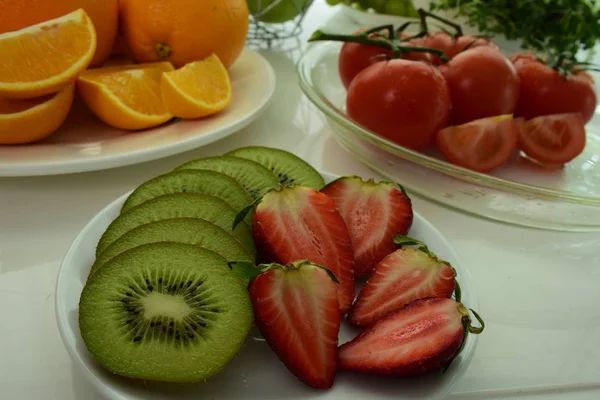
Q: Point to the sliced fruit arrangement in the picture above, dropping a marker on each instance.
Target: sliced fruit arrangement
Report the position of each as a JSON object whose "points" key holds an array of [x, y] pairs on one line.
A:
{"points": [[46, 46], [29, 120], [297, 312], [289, 168], [199, 89], [422, 337], [43, 59], [374, 213], [406, 275], [298, 222], [165, 312], [200, 252], [447, 90]]}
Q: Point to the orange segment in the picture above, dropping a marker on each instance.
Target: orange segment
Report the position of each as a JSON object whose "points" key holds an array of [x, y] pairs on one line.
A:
{"points": [[30, 120], [199, 89], [127, 96], [44, 58]]}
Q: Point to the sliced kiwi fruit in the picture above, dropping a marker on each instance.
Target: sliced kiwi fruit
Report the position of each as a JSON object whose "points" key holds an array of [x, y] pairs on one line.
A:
{"points": [[168, 312], [191, 181], [256, 179], [289, 168], [195, 231], [191, 205]]}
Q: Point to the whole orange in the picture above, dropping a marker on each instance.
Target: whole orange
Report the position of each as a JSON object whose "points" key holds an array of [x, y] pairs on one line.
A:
{"points": [[182, 31], [18, 14]]}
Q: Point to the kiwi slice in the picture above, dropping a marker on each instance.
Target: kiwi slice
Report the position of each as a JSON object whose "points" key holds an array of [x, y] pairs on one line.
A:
{"points": [[255, 178], [167, 312], [191, 205], [289, 168], [181, 230], [191, 181]]}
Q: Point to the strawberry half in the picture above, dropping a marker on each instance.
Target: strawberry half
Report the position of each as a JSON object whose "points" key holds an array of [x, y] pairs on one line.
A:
{"points": [[422, 337], [296, 310], [374, 212], [406, 275], [301, 223]]}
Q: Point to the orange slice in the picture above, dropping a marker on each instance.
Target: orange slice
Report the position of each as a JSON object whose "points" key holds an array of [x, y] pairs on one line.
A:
{"points": [[126, 96], [29, 120], [44, 58], [198, 89]]}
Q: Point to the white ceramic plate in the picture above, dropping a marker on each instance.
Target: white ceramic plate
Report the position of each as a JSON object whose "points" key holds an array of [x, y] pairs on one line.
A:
{"points": [[256, 373], [84, 143]]}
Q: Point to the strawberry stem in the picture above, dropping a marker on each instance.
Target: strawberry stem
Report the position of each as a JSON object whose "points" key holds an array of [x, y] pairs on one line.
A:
{"points": [[457, 289], [473, 329]]}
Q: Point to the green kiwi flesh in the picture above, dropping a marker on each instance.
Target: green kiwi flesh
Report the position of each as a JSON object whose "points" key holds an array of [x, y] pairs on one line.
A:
{"points": [[166, 312], [289, 168], [191, 181], [190, 205], [255, 178], [194, 231]]}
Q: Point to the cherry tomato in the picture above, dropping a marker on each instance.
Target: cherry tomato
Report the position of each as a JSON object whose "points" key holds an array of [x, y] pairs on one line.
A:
{"points": [[553, 139], [467, 42], [482, 145], [405, 101], [415, 55], [483, 83], [545, 91], [437, 40]]}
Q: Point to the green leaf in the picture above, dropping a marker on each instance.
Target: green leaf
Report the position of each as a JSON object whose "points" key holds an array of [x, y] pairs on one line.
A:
{"points": [[245, 269], [401, 240], [244, 211]]}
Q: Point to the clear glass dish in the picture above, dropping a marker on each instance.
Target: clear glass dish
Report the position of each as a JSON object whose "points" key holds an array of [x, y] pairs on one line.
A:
{"points": [[520, 192]]}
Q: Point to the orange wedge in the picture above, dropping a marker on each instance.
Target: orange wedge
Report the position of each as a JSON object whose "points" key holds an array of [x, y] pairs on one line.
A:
{"points": [[44, 58], [126, 96], [29, 120], [198, 89]]}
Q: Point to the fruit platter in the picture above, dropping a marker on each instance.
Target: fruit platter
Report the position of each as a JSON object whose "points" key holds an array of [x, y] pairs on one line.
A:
{"points": [[252, 274], [121, 93], [416, 99]]}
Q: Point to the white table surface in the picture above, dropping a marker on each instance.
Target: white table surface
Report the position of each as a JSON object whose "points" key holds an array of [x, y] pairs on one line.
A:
{"points": [[538, 291]]}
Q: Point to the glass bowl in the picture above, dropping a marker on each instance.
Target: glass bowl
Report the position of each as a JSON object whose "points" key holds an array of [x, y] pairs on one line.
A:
{"points": [[520, 192]]}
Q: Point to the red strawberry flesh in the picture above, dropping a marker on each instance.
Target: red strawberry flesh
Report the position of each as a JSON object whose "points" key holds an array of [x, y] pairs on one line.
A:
{"points": [[297, 312], [422, 337], [403, 276], [374, 213], [300, 223]]}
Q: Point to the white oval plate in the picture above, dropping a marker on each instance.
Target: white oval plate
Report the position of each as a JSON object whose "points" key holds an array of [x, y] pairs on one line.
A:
{"points": [[256, 372], [85, 143]]}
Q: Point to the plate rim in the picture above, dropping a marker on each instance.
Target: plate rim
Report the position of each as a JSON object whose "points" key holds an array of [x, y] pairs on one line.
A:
{"points": [[110, 392], [139, 156]]}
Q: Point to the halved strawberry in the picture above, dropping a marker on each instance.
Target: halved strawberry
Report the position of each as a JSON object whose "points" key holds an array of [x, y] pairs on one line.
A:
{"points": [[374, 212], [301, 223], [400, 278], [296, 310], [422, 337]]}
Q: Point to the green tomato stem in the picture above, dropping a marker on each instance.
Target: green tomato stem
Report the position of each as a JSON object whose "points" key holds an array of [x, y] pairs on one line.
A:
{"points": [[364, 38], [424, 13]]}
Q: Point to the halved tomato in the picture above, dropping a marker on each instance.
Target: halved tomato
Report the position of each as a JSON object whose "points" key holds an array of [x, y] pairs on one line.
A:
{"points": [[481, 145], [553, 139]]}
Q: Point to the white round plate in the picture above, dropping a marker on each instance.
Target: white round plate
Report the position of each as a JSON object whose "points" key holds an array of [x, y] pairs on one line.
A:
{"points": [[84, 143], [256, 372]]}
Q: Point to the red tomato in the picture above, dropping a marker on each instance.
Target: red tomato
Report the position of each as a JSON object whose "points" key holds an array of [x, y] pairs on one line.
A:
{"points": [[354, 57], [482, 145], [437, 40], [404, 101], [483, 83], [553, 139], [545, 91], [415, 55], [463, 43]]}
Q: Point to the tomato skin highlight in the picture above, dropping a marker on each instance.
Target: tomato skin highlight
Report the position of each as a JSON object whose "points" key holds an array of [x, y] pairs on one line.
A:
{"points": [[544, 91], [482, 145], [406, 102], [483, 83], [553, 139]]}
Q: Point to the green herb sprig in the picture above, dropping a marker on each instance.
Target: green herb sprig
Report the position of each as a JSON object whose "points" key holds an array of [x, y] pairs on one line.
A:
{"points": [[557, 29]]}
